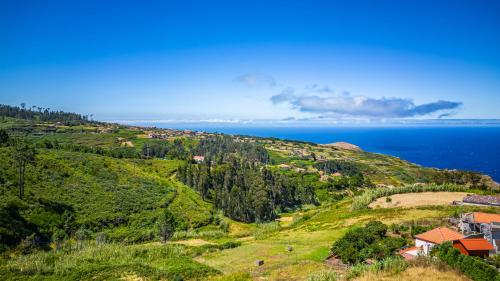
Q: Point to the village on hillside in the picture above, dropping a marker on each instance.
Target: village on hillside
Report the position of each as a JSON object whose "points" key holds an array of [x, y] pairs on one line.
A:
{"points": [[474, 234]]}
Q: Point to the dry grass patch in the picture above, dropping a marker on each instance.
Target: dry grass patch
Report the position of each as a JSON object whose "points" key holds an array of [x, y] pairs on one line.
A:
{"points": [[416, 273], [193, 242], [417, 199]]}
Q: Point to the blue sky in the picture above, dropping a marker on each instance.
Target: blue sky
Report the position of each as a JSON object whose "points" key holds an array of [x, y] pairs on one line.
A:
{"points": [[314, 61]]}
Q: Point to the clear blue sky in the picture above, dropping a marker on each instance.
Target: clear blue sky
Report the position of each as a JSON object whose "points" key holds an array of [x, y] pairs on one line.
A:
{"points": [[258, 60]]}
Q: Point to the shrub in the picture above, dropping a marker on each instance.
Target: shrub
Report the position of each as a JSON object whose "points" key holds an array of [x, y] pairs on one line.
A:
{"points": [[101, 238], [196, 251], [361, 243]]}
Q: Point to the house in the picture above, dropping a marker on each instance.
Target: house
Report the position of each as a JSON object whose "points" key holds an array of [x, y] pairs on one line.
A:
{"points": [[411, 253], [471, 222], [478, 247], [198, 158], [436, 236], [488, 200], [482, 223]]}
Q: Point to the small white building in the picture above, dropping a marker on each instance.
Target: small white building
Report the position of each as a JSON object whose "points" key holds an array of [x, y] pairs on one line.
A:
{"points": [[424, 242], [199, 158], [436, 236]]}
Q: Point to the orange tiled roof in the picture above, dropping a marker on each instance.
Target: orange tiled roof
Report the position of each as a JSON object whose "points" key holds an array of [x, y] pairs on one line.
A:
{"points": [[480, 217], [439, 235], [476, 244], [410, 249], [404, 253]]}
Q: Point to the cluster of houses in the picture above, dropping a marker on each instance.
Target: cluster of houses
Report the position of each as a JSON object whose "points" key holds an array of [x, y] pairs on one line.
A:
{"points": [[170, 133], [479, 236]]}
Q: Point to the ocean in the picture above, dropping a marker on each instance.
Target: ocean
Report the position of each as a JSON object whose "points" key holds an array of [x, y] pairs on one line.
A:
{"points": [[466, 148]]}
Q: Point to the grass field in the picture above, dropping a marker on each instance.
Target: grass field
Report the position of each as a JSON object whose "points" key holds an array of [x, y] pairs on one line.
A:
{"points": [[310, 239], [417, 199]]}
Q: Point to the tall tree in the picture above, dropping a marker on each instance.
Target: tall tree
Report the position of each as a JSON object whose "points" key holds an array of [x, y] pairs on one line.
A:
{"points": [[4, 137], [165, 225], [23, 153]]}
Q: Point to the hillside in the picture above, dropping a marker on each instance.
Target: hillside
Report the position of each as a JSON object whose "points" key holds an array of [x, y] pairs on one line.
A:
{"points": [[101, 198]]}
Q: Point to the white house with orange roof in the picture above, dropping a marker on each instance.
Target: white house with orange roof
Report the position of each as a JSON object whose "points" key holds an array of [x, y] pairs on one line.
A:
{"points": [[424, 242], [436, 236]]}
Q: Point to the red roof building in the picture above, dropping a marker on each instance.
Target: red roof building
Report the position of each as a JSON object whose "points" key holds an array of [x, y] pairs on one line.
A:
{"points": [[411, 253], [478, 247], [436, 236], [480, 217], [439, 235]]}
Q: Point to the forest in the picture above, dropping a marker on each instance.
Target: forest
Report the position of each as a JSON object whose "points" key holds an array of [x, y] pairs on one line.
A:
{"points": [[43, 114], [247, 191]]}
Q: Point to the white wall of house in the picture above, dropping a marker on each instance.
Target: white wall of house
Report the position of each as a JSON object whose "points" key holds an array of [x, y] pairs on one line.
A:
{"points": [[426, 246]]}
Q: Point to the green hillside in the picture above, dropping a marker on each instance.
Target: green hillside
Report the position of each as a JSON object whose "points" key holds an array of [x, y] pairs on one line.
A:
{"points": [[110, 202]]}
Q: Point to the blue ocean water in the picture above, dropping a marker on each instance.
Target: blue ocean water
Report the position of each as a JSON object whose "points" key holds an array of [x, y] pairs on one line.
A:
{"points": [[466, 148]]}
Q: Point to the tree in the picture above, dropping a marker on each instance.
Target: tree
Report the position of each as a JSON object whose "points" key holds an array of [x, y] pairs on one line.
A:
{"points": [[166, 226], [4, 137], [23, 154]]}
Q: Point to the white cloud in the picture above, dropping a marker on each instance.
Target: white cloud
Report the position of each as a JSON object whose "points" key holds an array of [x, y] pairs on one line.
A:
{"points": [[348, 105], [256, 80]]}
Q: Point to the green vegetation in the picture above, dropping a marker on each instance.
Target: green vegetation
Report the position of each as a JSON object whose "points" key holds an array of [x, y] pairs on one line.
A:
{"points": [[394, 265], [42, 114], [246, 190], [123, 198], [369, 242], [108, 262], [325, 275], [86, 200]]}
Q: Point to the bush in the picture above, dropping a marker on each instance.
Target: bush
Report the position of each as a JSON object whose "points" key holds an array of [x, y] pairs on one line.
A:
{"points": [[196, 251], [362, 243]]}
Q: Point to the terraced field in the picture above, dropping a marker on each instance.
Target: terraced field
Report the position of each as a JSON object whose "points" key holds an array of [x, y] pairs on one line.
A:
{"points": [[418, 199]]}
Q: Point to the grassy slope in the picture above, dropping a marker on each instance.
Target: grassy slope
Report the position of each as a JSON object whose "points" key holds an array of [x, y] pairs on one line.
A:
{"points": [[108, 262], [121, 196], [311, 240], [379, 168], [106, 190]]}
